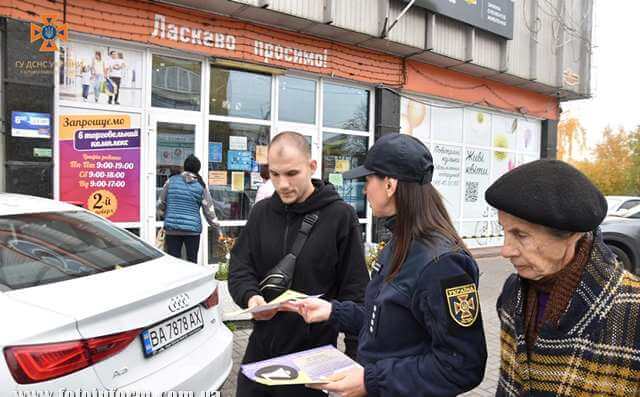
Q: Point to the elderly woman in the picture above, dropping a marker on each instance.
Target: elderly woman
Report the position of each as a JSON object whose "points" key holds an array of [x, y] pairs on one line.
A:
{"points": [[570, 317]]}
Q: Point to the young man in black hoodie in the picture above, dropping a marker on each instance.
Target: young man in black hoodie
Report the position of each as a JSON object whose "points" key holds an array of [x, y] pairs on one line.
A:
{"points": [[331, 261]]}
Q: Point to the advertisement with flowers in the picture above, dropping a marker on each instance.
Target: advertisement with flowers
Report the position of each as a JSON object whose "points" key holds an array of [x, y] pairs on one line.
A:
{"points": [[471, 148]]}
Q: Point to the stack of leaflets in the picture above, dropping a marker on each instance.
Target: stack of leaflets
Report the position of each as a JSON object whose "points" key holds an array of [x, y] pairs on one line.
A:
{"points": [[307, 367]]}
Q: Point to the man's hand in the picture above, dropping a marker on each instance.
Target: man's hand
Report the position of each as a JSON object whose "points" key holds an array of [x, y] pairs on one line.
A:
{"points": [[258, 300], [313, 310], [345, 384]]}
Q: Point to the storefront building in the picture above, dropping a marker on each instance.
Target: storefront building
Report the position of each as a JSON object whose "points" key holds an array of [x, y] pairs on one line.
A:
{"points": [[190, 81]]}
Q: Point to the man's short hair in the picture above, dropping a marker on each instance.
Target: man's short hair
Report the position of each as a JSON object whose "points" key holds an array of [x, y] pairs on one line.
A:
{"points": [[294, 139]]}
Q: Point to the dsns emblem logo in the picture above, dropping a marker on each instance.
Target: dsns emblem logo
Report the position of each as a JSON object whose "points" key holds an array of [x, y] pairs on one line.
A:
{"points": [[179, 302], [49, 32]]}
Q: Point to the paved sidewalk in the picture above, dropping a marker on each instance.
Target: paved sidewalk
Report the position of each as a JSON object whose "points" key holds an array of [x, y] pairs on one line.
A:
{"points": [[494, 273]]}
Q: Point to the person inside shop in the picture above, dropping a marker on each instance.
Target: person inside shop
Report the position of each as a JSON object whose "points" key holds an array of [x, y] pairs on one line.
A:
{"points": [[420, 327], [304, 234], [265, 190], [181, 199]]}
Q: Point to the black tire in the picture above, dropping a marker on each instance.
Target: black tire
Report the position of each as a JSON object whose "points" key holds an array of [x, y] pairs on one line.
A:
{"points": [[622, 257]]}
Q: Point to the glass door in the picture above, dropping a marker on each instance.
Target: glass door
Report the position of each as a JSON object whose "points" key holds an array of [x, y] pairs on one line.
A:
{"points": [[173, 137]]}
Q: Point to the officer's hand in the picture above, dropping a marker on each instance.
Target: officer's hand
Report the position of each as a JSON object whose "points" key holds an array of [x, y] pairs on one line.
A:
{"points": [[258, 300], [313, 310], [345, 384]]}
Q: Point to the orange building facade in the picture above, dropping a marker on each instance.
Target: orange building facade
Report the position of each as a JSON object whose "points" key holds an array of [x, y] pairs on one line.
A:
{"points": [[190, 82]]}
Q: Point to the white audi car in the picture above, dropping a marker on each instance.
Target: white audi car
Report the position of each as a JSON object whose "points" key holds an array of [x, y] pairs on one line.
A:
{"points": [[86, 305]]}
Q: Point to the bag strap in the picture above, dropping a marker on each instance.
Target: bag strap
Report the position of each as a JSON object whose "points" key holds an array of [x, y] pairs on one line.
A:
{"points": [[309, 220]]}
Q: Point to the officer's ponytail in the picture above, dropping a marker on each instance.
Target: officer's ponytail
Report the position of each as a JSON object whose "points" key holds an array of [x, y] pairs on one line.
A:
{"points": [[420, 212]]}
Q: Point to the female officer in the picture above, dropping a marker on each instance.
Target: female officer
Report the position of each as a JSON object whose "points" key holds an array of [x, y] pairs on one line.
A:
{"points": [[420, 330]]}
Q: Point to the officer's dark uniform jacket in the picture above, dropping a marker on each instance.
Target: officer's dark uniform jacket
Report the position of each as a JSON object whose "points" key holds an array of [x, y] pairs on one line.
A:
{"points": [[421, 333]]}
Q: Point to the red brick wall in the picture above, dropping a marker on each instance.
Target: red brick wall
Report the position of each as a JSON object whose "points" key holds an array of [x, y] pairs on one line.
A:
{"points": [[134, 21]]}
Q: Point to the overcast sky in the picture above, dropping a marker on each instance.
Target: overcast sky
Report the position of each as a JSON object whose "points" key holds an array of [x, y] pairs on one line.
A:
{"points": [[616, 70]]}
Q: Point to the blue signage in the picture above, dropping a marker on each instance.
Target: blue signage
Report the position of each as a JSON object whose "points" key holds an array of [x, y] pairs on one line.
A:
{"points": [[215, 152], [239, 160], [30, 125]]}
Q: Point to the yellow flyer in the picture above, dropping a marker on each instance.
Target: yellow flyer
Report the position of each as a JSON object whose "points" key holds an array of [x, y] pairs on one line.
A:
{"points": [[343, 166], [237, 181]]}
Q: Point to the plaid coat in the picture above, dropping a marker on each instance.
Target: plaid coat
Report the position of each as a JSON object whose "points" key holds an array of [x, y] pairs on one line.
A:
{"points": [[595, 350]]}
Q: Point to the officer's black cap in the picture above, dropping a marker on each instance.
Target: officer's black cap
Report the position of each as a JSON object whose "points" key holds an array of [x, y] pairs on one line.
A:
{"points": [[550, 193], [398, 156]]}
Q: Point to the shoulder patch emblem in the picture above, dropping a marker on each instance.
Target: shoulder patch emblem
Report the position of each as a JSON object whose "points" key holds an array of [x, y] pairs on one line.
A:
{"points": [[463, 304]]}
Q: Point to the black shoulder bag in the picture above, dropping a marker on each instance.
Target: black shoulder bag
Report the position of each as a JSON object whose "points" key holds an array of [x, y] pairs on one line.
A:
{"points": [[279, 279]]}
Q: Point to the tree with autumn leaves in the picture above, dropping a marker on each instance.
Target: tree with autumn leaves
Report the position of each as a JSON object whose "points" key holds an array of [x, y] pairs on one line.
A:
{"points": [[615, 162]]}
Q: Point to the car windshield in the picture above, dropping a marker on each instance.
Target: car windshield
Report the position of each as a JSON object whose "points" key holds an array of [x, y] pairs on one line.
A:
{"points": [[49, 247]]}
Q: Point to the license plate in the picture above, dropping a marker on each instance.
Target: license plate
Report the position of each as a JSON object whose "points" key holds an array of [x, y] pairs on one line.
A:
{"points": [[171, 331]]}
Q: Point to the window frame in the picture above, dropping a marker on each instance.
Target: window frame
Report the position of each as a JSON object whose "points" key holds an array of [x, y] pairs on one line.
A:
{"points": [[314, 130]]}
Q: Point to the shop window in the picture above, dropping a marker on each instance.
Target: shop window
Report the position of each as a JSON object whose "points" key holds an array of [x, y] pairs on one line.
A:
{"points": [[236, 93], [235, 152], [175, 83], [100, 73], [297, 100], [340, 153], [175, 143], [345, 107]]}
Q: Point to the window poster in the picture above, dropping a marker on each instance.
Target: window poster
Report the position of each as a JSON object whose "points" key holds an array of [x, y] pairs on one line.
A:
{"points": [[503, 162], [477, 178], [446, 124], [261, 154], [256, 180], [477, 128], [215, 152], [100, 164], [336, 179], [173, 148], [343, 165], [447, 175], [100, 74], [414, 119], [484, 232], [237, 181], [504, 132], [237, 143], [529, 137], [239, 160], [218, 178]]}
